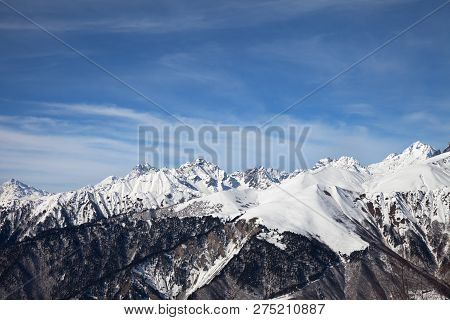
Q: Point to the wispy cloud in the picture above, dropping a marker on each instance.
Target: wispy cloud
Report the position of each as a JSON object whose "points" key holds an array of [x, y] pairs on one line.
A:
{"points": [[103, 110], [176, 16], [360, 109], [315, 52], [60, 159], [427, 120], [208, 62]]}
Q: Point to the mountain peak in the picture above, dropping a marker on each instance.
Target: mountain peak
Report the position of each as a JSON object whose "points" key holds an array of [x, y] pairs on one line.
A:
{"points": [[416, 152], [418, 144], [15, 189], [260, 177], [322, 163], [199, 162], [344, 162], [14, 183], [140, 169], [420, 149]]}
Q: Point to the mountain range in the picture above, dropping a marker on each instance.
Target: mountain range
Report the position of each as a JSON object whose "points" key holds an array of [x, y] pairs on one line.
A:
{"points": [[339, 230]]}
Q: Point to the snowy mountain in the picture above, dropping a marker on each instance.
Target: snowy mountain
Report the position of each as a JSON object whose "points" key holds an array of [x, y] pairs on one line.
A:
{"points": [[415, 153], [161, 187], [330, 201], [347, 163], [15, 190], [260, 178], [144, 188], [339, 230]]}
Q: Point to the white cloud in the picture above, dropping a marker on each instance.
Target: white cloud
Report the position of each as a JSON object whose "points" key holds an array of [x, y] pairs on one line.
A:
{"points": [[360, 109], [71, 157], [61, 160], [105, 111], [427, 120]]}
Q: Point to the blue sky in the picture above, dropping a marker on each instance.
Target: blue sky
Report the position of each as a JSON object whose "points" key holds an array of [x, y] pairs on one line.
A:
{"points": [[65, 124]]}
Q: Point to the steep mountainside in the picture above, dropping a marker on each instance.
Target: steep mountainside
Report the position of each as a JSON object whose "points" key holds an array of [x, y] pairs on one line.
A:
{"points": [[339, 230]]}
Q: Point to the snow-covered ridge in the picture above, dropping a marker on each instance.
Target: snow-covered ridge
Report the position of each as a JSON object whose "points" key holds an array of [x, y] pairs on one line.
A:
{"points": [[333, 199], [14, 190], [147, 187], [331, 188], [144, 188], [261, 177], [202, 177], [415, 153], [161, 187], [347, 163], [338, 205]]}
